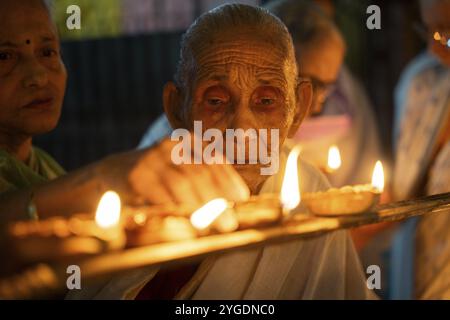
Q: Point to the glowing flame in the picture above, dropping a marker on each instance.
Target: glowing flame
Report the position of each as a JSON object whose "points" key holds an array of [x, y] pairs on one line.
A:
{"points": [[437, 36], [290, 190], [204, 216], [378, 177], [108, 210], [334, 158]]}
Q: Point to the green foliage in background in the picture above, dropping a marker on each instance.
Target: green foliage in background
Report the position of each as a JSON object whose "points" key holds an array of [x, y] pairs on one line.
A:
{"points": [[99, 18]]}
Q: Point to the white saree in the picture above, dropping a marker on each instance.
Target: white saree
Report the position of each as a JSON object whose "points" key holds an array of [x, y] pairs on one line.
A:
{"points": [[324, 267], [421, 250]]}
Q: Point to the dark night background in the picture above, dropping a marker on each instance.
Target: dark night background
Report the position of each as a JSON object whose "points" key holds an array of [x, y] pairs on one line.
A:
{"points": [[115, 82]]}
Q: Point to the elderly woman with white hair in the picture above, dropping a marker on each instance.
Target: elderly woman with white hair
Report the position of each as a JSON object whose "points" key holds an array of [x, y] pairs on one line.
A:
{"points": [[237, 69]]}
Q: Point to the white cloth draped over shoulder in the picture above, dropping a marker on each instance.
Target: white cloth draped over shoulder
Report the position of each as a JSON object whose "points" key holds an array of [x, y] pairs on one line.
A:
{"points": [[426, 111], [421, 251], [323, 267]]}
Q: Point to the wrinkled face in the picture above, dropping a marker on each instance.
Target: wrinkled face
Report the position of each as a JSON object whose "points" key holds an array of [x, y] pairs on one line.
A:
{"points": [[243, 82], [436, 18], [32, 75], [321, 62]]}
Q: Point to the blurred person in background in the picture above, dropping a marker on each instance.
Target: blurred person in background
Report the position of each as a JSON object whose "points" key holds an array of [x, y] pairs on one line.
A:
{"points": [[421, 247], [341, 113]]}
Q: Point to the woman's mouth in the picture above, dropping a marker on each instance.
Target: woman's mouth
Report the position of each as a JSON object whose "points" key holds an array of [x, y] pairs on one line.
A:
{"points": [[40, 104]]}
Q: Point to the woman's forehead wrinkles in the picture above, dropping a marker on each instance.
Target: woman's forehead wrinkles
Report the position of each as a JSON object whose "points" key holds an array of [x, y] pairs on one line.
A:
{"points": [[224, 67], [242, 79], [253, 54], [224, 71], [257, 65], [247, 42], [253, 58], [259, 55]]}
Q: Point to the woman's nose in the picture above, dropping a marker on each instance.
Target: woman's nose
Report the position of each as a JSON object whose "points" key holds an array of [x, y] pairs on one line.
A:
{"points": [[36, 75], [242, 118]]}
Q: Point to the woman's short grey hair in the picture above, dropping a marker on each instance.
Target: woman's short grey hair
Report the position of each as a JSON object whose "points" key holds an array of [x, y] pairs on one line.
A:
{"points": [[224, 18]]}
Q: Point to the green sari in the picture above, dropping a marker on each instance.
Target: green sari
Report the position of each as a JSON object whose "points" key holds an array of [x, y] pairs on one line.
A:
{"points": [[16, 175]]}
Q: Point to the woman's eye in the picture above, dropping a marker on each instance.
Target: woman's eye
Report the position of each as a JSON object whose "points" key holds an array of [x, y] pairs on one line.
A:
{"points": [[267, 96], [8, 61], [216, 97], [5, 56], [266, 101], [215, 101], [49, 53]]}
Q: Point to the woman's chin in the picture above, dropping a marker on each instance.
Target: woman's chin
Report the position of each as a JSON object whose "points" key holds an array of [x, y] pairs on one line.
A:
{"points": [[252, 176], [40, 127]]}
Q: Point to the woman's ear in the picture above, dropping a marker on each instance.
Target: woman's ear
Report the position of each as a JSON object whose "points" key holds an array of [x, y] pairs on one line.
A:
{"points": [[173, 105], [304, 96]]}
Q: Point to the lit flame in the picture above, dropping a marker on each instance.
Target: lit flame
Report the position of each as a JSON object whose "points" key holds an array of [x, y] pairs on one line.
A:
{"points": [[108, 210], [378, 177], [437, 36], [334, 158], [290, 190], [204, 216], [140, 218]]}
